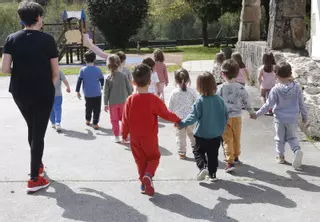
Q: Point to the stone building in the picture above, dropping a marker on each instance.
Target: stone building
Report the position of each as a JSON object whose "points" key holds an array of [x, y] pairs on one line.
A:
{"points": [[287, 39]]}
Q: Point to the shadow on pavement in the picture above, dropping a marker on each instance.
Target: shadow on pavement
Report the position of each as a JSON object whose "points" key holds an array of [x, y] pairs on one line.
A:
{"points": [[79, 135], [91, 205], [181, 205], [163, 151], [105, 131]]}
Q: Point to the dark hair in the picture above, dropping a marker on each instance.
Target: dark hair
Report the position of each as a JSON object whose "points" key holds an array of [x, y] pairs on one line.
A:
{"points": [[158, 55], [141, 75], [113, 62], [268, 62], [122, 56], [220, 57], [230, 68], [284, 70], [29, 12], [238, 58], [182, 77], [149, 62], [89, 57], [206, 84]]}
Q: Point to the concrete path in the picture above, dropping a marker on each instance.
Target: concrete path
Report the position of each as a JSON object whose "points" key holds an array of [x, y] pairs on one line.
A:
{"points": [[94, 179], [198, 66]]}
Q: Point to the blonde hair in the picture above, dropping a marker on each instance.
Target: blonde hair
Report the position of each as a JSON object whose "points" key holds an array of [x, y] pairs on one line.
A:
{"points": [[114, 63]]}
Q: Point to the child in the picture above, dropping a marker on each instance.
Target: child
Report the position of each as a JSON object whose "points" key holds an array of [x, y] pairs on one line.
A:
{"points": [[243, 74], [55, 116], [286, 99], [116, 91], [91, 76], [161, 69], [234, 95], [210, 115], [267, 77], [181, 101], [154, 84], [123, 68], [216, 72], [140, 119]]}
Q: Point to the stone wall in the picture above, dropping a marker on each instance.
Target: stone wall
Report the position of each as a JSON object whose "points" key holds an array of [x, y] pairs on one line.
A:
{"points": [[305, 71]]}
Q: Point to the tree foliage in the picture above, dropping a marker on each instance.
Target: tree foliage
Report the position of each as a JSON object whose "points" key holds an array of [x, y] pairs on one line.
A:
{"points": [[118, 20]]}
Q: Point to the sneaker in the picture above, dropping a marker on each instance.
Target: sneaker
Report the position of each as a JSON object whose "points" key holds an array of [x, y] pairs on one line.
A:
{"points": [[96, 127], [182, 156], [34, 186], [142, 189], [297, 159], [58, 128], [148, 184], [41, 171], [116, 139], [236, 161], [230, 168], [212, 178], [280, 159], [88, 123], [202, 174], [53, 125]]}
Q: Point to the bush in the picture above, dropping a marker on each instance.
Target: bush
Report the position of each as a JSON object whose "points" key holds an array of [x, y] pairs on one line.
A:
{"points": [[9, 21]]}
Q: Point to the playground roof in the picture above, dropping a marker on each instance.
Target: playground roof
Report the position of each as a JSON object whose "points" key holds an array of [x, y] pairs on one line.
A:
{"points": [[80, 15]]}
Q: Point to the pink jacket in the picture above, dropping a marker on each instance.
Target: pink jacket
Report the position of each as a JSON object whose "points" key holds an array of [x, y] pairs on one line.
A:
{"points": [[161, 69]]}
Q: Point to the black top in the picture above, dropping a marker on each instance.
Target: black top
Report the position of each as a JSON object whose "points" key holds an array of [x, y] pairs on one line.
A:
{"points": [[31, 52]]}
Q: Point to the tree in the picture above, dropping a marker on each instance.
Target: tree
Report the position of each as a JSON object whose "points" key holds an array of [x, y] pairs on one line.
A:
{"points": [[118, 20], [210, 10]]}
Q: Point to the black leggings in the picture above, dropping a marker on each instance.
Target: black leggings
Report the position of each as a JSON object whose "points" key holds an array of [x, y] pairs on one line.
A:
{"points": [[36, 112], [93, 105]]}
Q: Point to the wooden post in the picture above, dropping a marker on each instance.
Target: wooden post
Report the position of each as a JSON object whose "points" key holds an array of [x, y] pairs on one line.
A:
{"points": [[67, 54], [71, 55]]}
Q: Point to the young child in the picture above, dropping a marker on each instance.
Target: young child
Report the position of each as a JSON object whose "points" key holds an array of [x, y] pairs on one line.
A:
{"points": [[243, 74], [181, 101], [161, 69], [216, 72], [234, 95], [286, 99], [116, 91], [140, 119], [210, 115], [92, 78], [267, 77], [154, 84], [55, 116], [123, 67]]}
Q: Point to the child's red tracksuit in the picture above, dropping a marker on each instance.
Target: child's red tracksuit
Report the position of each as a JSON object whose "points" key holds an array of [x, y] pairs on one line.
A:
{"points": [[140, 120]]}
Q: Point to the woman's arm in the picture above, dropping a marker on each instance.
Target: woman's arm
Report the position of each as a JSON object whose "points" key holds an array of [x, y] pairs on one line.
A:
{"points": [[88, 43]]}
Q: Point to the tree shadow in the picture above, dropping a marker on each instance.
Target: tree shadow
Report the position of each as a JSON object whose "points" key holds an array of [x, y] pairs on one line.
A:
{"points": [[181, 205], [79, 135], [163, 151], [105, 132], [96, 206]]}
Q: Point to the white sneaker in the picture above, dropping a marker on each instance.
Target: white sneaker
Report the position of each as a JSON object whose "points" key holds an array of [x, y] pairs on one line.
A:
{"points": [[58, 128], [53, 125], [297, 160], [202, 174], [116, 139]]}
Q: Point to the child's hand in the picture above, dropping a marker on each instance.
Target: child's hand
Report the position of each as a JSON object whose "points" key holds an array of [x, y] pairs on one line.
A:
{"points": [[253, 116], [305, 123], [68, 90], [106, 108], [79, 95]]}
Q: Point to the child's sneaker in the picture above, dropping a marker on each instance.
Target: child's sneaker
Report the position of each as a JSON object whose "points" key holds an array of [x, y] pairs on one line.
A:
{"points": [[230, 168], [34, 186], [142, 189], [213, 178], [148, 184], [116, 139], [297, 160], [58, 128], [88, 123], [236, 161], [182, 156], [280, 159], [96, 127], [53, 125], [41, 171], [202, 174]]}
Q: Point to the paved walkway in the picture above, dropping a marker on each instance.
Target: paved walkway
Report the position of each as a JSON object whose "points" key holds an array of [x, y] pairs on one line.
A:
{"points": [[94, 179], [198, 66]]}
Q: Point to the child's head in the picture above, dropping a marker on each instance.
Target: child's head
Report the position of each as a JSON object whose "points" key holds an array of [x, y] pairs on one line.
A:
{"points": [[230, 69], [89, 57], [149, 62], [220, 58], [158, 55], [122, 57], [141, 75], [206, 84], [113, 63], [284, 70], [182, 78], [238, 58], [268, 62]]}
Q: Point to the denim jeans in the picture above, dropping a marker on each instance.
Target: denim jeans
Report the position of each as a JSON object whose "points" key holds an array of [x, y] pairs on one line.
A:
{"points": [[55, 116]]}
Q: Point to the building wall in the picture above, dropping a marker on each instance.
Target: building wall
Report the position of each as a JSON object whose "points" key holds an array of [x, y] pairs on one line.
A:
{"points": [[315, 28]]}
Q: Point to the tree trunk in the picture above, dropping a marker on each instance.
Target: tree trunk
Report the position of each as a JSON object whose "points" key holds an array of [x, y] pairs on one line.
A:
{"points": [[266, 4], [205, 32]]}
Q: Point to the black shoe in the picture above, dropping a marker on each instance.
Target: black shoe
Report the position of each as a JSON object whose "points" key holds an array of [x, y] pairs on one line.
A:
{"points": [[213, 178]]}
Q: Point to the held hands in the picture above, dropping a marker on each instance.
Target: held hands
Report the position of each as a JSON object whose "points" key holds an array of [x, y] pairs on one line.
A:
{"points": [[79, 95], [177, 126], [106, 108], [68, 90]]}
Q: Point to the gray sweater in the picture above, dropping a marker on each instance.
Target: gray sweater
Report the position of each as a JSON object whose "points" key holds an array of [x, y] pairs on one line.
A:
{"points": [[117, 89]]}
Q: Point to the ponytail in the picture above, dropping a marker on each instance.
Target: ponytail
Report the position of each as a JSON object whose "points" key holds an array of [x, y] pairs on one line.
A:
{"points": [[184, 86]]}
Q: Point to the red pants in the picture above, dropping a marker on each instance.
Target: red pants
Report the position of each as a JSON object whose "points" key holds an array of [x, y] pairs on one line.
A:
{"points": [[146, 153]]}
